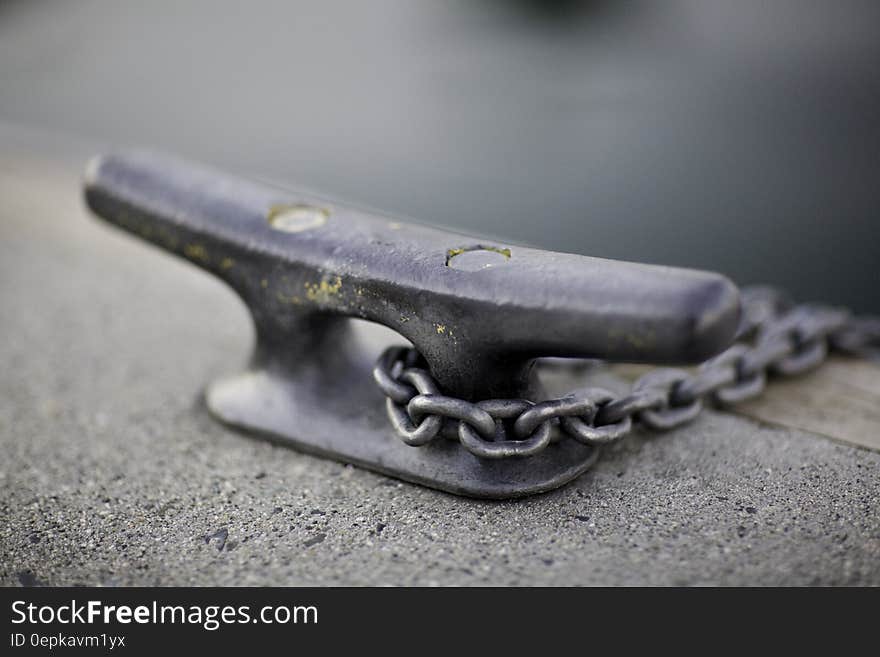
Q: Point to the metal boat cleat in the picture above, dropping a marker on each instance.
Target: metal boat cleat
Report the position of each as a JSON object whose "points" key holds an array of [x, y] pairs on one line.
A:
{"points": [[479, 311]]}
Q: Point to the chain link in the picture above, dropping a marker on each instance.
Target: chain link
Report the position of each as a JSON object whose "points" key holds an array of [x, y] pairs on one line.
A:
{"points": [[774, 338]]}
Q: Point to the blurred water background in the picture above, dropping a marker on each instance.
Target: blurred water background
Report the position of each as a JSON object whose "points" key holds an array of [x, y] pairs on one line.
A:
{"points": [[735, 136]]}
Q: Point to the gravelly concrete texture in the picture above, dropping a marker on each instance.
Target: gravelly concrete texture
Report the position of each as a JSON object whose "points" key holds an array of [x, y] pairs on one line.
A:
{"points": [[113, 473]]}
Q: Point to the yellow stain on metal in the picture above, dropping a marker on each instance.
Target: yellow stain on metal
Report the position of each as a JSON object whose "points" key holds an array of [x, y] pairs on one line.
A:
{"points": [[196, 252], [323, 291]]}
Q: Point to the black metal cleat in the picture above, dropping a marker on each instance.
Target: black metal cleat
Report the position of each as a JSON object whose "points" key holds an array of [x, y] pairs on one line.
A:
{"points": [[479, 311]]}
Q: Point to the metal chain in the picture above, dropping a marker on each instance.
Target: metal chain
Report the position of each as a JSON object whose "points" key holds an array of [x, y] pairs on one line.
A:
{"points": [[774, 338]]}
